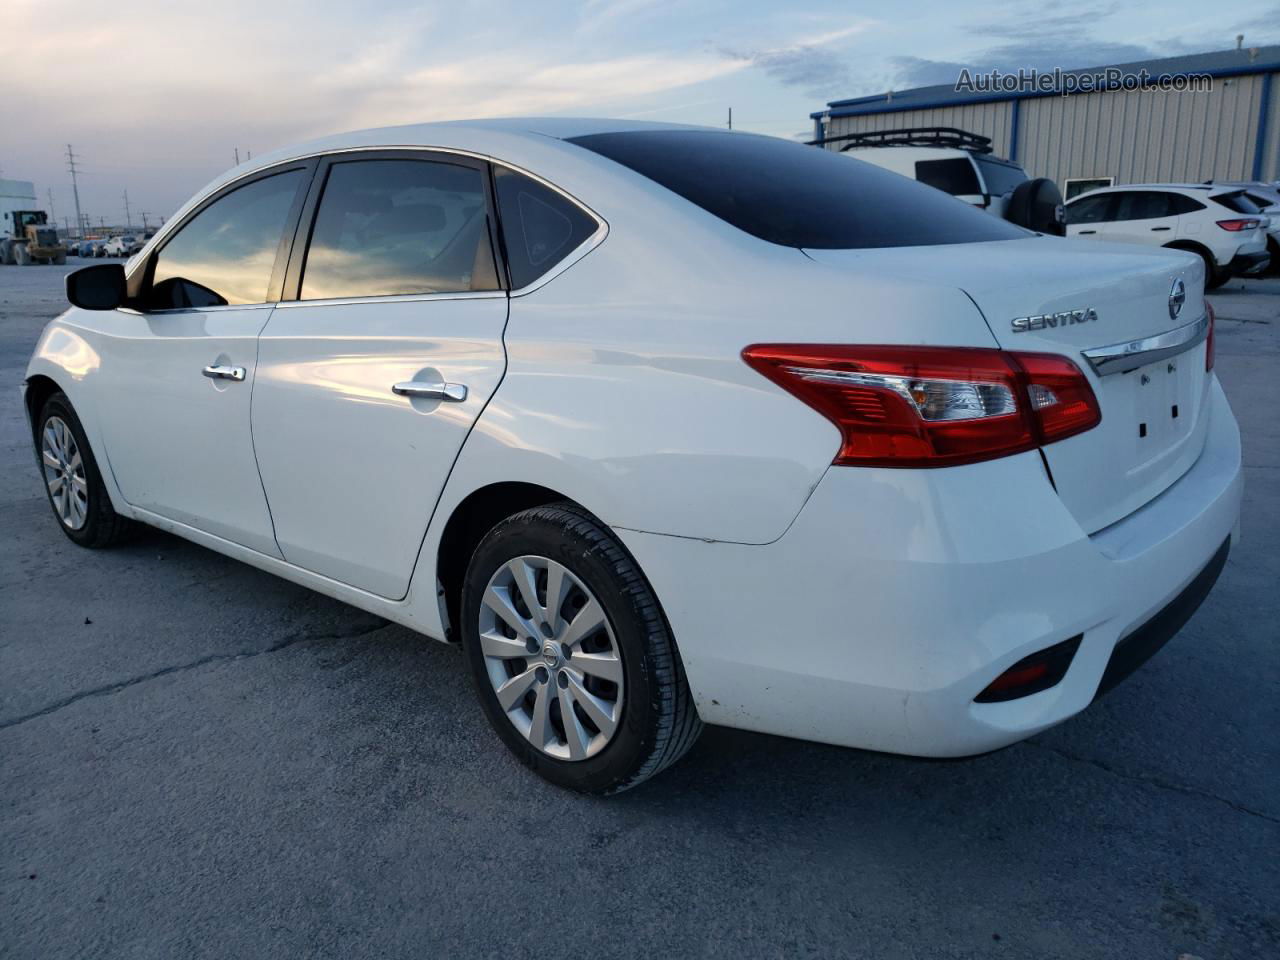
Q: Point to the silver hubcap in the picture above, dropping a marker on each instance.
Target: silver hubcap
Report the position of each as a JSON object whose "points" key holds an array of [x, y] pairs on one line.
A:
{"points": [[552, 658], [64, 473]]}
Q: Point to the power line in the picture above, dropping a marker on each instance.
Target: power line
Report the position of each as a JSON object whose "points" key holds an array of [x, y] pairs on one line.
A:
{"points": [[75, 189]]}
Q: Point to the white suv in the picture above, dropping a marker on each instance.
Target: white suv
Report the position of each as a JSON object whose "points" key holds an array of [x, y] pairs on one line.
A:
{"points": [[664, 425], [1218, 223], [961, 164]]}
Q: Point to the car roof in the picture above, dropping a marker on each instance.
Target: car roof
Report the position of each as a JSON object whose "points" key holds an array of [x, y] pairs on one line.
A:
{"points": [[1206, 189], [468, 134]]}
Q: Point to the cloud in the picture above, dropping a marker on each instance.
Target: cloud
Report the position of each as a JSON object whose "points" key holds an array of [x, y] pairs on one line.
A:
{"points": [[807, 63]]}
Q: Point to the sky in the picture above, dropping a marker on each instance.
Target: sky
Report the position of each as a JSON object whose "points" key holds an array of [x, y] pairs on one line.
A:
{"points": [[155, 97]]}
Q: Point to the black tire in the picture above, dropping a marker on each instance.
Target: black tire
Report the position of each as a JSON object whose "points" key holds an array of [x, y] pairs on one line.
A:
{"points": [[103, 527], [659, 722], [1214, 276], [1037, 205]]}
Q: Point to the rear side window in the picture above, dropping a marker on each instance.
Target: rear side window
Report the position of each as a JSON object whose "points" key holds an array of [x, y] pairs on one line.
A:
{"points": [[798, 196], [225, 253], [539, 226], [1001, 178], [1180, 203], [955, 175], [1142, 205], [388, 227], [1088, 209]]}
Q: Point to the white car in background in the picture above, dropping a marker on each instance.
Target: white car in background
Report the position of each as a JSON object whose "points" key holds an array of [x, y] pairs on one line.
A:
{"points": [[121, 246], [665, 425], [1218, 223], [961, 164]]}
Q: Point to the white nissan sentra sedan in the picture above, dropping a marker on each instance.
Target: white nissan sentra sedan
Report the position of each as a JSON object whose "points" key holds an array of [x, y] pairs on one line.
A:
{"points": [[665, 426]]}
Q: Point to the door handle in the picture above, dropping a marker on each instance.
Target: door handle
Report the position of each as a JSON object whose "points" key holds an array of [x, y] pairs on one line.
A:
{"points": [[220, 371], [452, 392], [1083, 232], [1154, 229]]}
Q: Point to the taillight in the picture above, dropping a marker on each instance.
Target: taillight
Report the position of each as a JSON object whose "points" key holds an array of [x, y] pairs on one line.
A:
{"points": [[1208, 340], [932, 406], [1235, 226]]}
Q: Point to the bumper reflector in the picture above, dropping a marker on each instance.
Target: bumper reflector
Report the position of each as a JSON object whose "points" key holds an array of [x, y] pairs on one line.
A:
{"points": [[1040, 671]]}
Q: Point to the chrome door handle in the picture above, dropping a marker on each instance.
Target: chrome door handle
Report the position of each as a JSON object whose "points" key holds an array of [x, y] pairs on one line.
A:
{"points": [[452, 392], [220, 371]]}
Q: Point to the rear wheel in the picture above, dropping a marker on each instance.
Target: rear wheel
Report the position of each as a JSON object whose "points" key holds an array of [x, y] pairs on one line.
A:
{"points": [[72, 480], [21, 255], [1214, 276], [571, 655]]}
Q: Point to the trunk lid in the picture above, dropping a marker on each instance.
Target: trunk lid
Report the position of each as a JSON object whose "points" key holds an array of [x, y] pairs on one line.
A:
{"points": [[1072, 297]]}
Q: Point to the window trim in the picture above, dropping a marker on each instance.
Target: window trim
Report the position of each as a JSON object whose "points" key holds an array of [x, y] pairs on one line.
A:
{"points": [[592, 241], [140, 278]]}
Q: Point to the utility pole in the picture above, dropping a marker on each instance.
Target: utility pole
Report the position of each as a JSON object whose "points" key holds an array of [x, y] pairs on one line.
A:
{"points": [[237, 156], [128, 220], [731, 118], [144, 214], [52, 216], [75, 189]]}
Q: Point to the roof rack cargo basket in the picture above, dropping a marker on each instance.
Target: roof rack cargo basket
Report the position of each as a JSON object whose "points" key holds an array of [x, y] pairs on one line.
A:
{"points": [[911, 137]]}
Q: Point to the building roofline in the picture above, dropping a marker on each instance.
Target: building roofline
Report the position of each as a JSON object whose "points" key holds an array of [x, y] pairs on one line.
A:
{"points": [[914, 99]]}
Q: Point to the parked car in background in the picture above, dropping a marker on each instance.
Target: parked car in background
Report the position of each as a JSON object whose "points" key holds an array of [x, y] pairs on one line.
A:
{"points": [[961, 164], [84, 248], [100, 246], [1266, 197], [664, 425], [1218, 223], [122, 246]]}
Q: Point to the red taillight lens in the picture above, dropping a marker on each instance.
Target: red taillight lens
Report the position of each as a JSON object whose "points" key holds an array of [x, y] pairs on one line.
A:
{"points": [[932, 406], [1235, 226], [1061, 401], [1208, 340]]}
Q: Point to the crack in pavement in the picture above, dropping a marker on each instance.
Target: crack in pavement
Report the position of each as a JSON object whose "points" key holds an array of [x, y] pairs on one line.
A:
{"points": [[111, 688], [1154, 781]]}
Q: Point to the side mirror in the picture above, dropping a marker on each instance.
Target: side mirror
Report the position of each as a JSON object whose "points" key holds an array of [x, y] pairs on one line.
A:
{"points": [[100, 287]]}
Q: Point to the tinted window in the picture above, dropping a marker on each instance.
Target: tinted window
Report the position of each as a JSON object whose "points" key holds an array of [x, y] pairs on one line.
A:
{"points": [[388, 227], [1001, 178], [1088, 209], [954, 175], [539, 226], [795, 195], [1237, 202], [1142, 205], [224, 255], [1179, 203]]}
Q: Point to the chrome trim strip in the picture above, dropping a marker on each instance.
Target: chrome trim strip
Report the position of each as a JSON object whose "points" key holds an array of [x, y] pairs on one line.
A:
{"points": [[395, 298], [1124, 357]]}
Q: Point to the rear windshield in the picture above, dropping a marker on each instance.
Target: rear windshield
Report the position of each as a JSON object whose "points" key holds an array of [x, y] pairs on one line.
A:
{"points": [[1239, 202], [798, 196]]}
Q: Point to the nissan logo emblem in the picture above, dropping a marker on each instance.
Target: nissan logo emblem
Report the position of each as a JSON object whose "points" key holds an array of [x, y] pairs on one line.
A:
{"points": [[1177, 297]]}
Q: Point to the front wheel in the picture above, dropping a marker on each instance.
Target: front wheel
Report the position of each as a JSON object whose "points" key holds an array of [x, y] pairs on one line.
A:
{"points": [[571, 655], [80, 502]]}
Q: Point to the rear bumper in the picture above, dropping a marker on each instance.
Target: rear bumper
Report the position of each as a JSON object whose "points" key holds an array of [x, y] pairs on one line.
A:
{"points": [[897, 596], [1248, 264]]}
